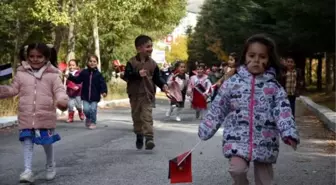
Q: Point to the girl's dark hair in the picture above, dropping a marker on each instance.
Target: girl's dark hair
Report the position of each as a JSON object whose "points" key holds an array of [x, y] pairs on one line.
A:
{"points": [[176, 65], [93, 56], [272, 52], [48, 51], [201, 65], [72, 60]]}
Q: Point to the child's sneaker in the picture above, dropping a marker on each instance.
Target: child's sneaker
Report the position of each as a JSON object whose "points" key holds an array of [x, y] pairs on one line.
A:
{"points": [[81, 115], [87, 123], [178, 118], [27, 177], [92, 126], [198, 114], [149, 144], [139, 141], [50, 172]]}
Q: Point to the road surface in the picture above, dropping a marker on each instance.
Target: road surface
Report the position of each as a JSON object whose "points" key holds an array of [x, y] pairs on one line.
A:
{"points": [[107, 155]]}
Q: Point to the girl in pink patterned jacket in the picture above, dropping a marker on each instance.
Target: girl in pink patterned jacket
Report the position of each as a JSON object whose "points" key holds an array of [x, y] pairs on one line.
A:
{"points": [[254, 110], [38, 84]]}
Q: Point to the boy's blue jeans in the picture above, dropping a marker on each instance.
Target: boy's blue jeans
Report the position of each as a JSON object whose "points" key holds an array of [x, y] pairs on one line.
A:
{"points": [[90, 111]]}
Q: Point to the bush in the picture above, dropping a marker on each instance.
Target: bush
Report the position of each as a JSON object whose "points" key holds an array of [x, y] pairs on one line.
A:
{"points": [[116, 90]]}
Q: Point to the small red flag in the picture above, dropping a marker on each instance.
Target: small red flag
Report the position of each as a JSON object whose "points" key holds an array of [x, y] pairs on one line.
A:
{"points": [[180, 170]]}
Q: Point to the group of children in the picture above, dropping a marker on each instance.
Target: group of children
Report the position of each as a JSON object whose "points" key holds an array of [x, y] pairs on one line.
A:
{"points": [[202, 87], [251, 104]]}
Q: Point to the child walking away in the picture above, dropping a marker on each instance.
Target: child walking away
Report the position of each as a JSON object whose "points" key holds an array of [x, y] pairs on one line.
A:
{"points": [[254, 109], [38, 85], [93, 87], [178, 82], [74, 93], [142, 74], [199, 89]]}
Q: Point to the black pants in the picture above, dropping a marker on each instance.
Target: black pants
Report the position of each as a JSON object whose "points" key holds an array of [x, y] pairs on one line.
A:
{"points": [[292, 103]]}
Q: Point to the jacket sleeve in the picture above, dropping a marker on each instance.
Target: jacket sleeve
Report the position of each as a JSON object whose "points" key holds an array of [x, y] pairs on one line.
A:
{"points": [[59, 91], [170, 79], [103, 85], [11, 90], [131, 73], [77, 79], [214, 118], [283, 116], [158, 81]]}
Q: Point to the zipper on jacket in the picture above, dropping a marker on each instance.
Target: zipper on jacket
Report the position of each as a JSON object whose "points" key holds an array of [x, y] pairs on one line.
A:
{"points": [[90, 83], [251, 107], [34, 110]]}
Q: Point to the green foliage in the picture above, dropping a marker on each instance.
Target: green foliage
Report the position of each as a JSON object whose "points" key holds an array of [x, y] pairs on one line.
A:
{"points": [[295, 25]]}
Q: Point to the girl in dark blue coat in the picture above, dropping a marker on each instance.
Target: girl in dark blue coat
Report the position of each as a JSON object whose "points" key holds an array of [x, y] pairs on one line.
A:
{"points": [[93, 87]]}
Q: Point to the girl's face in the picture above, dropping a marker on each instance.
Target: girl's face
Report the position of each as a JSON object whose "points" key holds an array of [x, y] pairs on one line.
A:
{"points": [[181, 68], [36, 59], [72, 66], [256, 58], [200, 71], [92, 63], [231, 61]]}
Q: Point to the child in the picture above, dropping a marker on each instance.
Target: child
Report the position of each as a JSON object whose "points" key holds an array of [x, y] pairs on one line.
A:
{"points": [[292, 80], [201, 84], [178, 77], [142, 74], [254, 109], [38, 85], [74, 93], [93, 86]]}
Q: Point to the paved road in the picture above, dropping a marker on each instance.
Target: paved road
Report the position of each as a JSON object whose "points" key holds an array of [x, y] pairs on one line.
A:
{"points": [[107, 156]]}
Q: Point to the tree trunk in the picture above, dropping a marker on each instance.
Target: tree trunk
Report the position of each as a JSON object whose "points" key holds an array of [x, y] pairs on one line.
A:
{"points": [[310, 70], [16, 49], [58, 37], [96, 40], [319, 73], [71, 35], [328, 72], [334, 70]]}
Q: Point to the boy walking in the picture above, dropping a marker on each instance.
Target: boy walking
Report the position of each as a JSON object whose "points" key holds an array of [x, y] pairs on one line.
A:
{"points": [[142, 74]]}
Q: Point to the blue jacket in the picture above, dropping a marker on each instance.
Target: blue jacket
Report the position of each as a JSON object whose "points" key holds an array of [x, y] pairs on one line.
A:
{"points": [[254, 111], [93, 84]]}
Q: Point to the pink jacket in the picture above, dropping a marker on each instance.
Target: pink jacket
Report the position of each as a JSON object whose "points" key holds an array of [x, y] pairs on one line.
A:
{"points": [[37, 94]]}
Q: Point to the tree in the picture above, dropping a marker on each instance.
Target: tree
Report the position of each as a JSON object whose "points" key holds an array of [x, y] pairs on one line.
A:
{"points": [[178, 50]]}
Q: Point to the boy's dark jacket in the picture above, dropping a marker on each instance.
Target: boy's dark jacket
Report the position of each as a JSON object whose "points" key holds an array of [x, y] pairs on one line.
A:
{"points": [[93, 84], [139, 86]]}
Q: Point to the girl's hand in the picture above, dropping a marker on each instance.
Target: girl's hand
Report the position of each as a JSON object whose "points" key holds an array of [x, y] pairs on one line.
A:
{"points": [[104, 95], [76, 88], [291, 142], [62, 106]]}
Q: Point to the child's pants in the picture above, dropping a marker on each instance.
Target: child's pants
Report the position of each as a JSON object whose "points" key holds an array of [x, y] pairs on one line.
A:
{"points": [[263, 172], [90, 111], [142, 115], [28, 147], [74, 102]]}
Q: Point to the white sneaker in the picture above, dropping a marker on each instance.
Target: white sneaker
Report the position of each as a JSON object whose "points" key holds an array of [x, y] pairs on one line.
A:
{"points": [[178, 118], [27, 177], [51, 172]]}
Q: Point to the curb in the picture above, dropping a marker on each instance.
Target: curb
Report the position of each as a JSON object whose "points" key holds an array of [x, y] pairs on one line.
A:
{"points": [[12, 120], [323, 113]]}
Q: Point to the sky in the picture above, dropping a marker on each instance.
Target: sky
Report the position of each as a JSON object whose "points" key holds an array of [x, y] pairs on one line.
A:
{"points": [[194, 5]]}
